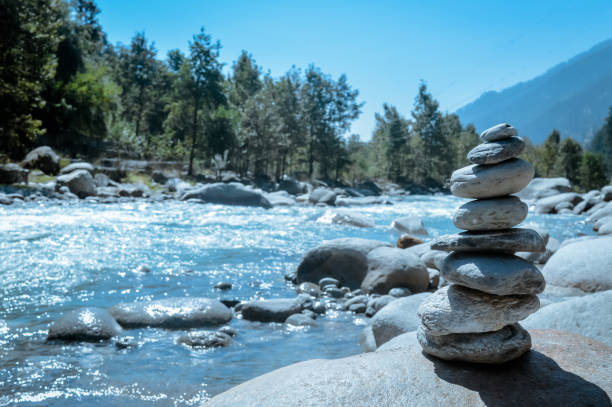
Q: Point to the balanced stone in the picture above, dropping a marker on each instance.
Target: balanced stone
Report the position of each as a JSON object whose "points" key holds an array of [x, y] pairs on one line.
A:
{"points": [[493, 273], [498, 132], [506, 240], [457, 309], [491, 181], [496, 151], [508, 343], [491, 214]]}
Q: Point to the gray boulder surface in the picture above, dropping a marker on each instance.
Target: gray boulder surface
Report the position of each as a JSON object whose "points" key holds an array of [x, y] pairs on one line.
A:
{"points": [[344, 259], [588, 315], [552, 203], [13, 174], [232, 193], [77, 166], [410, 224], [456, 309], [507, 240], [543, 187], [272, 310], [500, 131], [491, 181], [85, 324], [390, 267], [496, 151], [562, 369], [300, 320], [490, 214], [79, 182], [323, 195], [172, 313], [42, 158], [397, 317], [343, 217], [206, 339], [606, 193], [584, 264]]}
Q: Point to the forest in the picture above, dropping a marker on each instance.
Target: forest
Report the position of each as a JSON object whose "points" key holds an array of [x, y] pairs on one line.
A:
{"points": [[64, 85]]}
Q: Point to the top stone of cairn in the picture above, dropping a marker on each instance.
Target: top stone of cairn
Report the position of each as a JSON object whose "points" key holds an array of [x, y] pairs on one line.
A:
{"points": [[500, 131]]}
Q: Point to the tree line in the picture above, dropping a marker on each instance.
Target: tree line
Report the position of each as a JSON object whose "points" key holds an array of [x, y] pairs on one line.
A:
{"points": [[63, 84]]}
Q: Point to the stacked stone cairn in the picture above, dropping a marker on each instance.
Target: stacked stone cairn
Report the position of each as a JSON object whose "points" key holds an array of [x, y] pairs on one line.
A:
{"points": [[475, 317]]}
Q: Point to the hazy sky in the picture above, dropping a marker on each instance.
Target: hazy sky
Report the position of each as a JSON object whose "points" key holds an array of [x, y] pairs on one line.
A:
{"points": [[460, 48]]}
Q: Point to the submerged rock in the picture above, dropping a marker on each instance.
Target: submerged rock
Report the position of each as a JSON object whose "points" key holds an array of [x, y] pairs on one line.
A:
{"points": [[85, 324], [300, 320], [272, 310], [206, 339]]}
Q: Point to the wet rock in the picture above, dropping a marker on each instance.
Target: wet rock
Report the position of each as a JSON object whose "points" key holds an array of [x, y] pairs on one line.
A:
{"points": [[133, 190], [496, 151], [410, 224], [280, 198], [491, 181], [400, 292], [230, 303], [42, 158], [406, 241], [318, 307], [343, 259], [228, 330], [358, 308], [80, 183], [360, 299], [328, 281], [309, 313], [543, 187], [495, 347], [584, 264], [310, 289], [334, 292], [490, 214], [339, 217], [13, 174], [500, 131], [360, 201], [272, 310], [159, 177], [493, 273], [228, 194], [5, 200], [77, 166], [322, 195], [300, 320], [206, 339], [292, 186], [457, 309], [390, 267], [172, 313], [223, 285], [508, 240], [126, 342], [397, 317], [376, 304], [84, 324]]}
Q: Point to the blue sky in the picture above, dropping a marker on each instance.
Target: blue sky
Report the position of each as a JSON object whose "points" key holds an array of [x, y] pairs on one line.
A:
{"points": [[460, 48]]}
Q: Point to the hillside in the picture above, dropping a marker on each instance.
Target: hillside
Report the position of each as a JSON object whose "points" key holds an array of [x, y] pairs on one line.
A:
{"points": [[573, 97]]}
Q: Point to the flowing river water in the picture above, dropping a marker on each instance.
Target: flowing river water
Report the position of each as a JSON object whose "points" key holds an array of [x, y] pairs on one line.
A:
{"points": [[57, 256]]}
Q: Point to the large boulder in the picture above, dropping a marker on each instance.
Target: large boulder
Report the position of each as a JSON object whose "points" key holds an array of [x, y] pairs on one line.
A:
{"points": [[344, 259], [85, 324], [13, 174], [562, 369], [602, 212], [42, 158], [172, 313], [292, 186], [233, 193], [322, 195], [272, 310], [79, 182], [550, 203], [390, 267], [280, 198], [584, 264], [396, 318], [543, 187], [588, 315]]}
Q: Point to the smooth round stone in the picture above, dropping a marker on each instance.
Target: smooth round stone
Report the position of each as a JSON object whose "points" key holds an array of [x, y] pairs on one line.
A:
{"points": [[491, 214], [496, 151], [506, 240], [456, 309], [493, 273], [491, 181], [85, 324], [501, 346], [498, 132]]}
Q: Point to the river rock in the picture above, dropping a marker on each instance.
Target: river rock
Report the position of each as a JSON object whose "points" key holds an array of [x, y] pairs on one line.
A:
{"points": [[363, 200], [85, 324], [410, 224], [376, 304], [310, 289], [550, 203], [405, 241], [399, 292], [322, 195], [366, 340], [541, 258], [500, 346], [272, 310], [77, 166], [390, 267], [5, 200], [498, 132], [543, 187], [491, 214], [493, 273], [490, 181], [232, 193], [602, 212], [606, 226], [13, 174], [292, 186], [434, 258], [507, 240], [206, 339], [343, 259], [397, 317], [606, 193], [172, 313], [496, 151], [346, 218], [588, 315], [563, 369], [457, 309], [42, 158], [80, 183], [584, 264], [300, 320]]}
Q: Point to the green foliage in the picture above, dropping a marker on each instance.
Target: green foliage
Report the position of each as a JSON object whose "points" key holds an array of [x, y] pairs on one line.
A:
{"points": [[549, 153], [593, 171], [568, 161], [602, 142]]}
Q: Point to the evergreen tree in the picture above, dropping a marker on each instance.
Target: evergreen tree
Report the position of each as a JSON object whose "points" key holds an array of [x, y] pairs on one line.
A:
{"points": [[602, 142], [569, 160], [549, 152], [593, 171]]}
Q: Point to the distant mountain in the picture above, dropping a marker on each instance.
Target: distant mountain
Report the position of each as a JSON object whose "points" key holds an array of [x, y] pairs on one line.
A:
{"points": [[572, 97]]}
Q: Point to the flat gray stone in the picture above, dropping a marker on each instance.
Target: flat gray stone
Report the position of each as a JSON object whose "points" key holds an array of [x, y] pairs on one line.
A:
{"points": [[206, 339], [491, 181], [509, 343], [390, 267], [496, 151], [493, 273], [456, 309], [506, 240], [498, 132], [491, 214], [84, 324], [272, 310]]}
